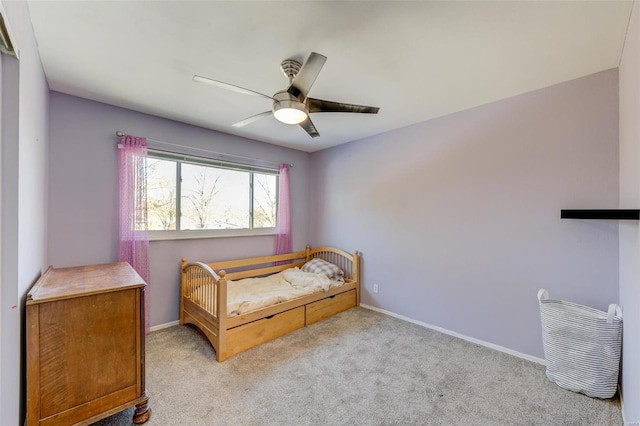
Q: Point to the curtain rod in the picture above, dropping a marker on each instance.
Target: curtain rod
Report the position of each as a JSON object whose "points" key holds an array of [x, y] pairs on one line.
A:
{"points": [[120, 134]]}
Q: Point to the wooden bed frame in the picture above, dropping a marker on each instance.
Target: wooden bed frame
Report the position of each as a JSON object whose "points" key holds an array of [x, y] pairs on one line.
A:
{"points": [[233, 335]]}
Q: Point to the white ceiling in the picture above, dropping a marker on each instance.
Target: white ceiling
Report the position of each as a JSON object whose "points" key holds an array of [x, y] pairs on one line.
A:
{"points": [[415, 60]]}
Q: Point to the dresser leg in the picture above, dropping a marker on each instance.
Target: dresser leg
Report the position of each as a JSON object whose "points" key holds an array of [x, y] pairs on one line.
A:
{"points": [[143, 412]]}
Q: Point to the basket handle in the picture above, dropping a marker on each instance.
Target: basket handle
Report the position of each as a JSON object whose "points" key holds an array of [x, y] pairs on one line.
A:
{"points": [[613, 310], [542, 295]]}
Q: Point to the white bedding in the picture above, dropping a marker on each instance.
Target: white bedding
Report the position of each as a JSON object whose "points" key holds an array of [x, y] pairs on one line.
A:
{"points": [[251, 294]]}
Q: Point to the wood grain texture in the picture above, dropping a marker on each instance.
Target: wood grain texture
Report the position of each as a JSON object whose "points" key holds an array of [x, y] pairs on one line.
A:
{"points": [[255, 261], [85, 347], [285, 306], [207, 310], [262, 271], [96, 333], [317, 311], [65, 283], [33, 362], [255, 333]]}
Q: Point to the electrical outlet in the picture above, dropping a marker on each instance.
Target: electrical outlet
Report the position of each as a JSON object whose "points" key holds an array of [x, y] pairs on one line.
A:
{"points": [[375, 288]]}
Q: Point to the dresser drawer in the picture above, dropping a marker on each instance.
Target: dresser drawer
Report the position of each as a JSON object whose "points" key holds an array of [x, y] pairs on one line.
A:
{"points": [[325, 308], [255, 333]]}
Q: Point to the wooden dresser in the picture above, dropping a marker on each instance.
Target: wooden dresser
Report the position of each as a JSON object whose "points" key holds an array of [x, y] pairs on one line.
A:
{"points": [[85, 345]]}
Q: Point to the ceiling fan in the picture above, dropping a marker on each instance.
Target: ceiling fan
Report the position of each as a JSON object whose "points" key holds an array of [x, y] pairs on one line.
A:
{"points": [[292, 105]]}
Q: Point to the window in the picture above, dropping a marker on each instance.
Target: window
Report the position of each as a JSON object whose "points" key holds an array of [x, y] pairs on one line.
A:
{"points": [[190, 197]]}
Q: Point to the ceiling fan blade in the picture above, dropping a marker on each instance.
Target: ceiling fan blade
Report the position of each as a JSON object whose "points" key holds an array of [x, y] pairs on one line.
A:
{"points": [[251, 119], [308, 127], [228, 86], [307, 75], [318, 105]]}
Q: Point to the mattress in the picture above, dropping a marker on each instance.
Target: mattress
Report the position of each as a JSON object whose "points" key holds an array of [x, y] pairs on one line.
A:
{"points": [[251, 294]]}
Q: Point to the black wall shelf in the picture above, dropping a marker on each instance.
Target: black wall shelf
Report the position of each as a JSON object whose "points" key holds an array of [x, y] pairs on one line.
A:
{"points": [[617, 214]]}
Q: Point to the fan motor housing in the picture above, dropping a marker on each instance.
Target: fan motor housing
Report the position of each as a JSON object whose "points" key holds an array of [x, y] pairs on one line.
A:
{"points": [[285, 99]]}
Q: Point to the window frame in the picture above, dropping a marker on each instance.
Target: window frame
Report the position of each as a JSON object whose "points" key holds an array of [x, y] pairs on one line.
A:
{"points": [[178, 234]]}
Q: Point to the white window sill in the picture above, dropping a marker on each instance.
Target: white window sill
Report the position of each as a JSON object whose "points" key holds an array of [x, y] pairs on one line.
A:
{"points": [[222, 233]]}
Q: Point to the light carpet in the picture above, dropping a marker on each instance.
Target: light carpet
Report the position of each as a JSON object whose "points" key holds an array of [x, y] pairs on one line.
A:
{"points": [[356, 368]]}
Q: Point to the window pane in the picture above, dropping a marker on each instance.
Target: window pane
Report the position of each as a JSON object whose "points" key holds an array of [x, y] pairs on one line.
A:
{"points": [[214, 198], [161, 194], [264, 201]]}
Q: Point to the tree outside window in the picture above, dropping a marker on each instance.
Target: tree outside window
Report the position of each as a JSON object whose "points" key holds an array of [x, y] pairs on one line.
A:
{"points": [[184, 194]]}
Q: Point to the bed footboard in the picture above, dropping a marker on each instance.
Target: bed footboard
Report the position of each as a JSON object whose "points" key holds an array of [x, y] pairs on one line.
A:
{"points": [[203, 296]]}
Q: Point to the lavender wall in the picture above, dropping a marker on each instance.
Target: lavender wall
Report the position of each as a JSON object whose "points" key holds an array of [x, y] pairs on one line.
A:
{"points": [[458, 218], [629, 231], [10, 326], [24, 218], [83, 193]]}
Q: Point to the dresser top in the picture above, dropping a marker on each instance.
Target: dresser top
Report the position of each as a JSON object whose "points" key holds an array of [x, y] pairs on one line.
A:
{"points": [[65, 283]]}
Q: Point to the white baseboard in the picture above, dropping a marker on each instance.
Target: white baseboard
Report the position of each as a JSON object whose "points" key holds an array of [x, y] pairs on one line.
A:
{"points": [[624, 421], [161, 326], [458, 335]]}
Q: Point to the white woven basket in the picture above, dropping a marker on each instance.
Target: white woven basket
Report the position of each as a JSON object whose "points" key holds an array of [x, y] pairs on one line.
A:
{"points": [[581, 346]]}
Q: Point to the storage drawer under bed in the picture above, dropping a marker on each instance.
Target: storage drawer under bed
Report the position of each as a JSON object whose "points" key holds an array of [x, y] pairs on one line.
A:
{"points": [[325, 308], [255, 333]]}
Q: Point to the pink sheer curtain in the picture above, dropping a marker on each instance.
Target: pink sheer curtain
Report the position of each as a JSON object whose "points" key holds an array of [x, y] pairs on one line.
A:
{"points": [[134, 240], [283, 230]]}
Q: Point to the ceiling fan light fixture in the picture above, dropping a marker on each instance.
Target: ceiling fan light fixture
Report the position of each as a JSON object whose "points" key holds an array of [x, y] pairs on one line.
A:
{"points": [[289, 112], [293, 105], [290, 115]]}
